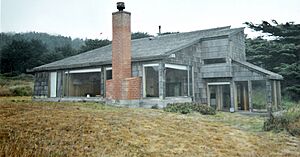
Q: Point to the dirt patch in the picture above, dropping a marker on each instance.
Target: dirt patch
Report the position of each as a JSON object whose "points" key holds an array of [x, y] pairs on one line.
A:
{"points": [[86, 129]]}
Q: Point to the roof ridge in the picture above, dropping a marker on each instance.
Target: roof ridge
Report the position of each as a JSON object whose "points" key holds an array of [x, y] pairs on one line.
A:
{"points": [[180, 33]]}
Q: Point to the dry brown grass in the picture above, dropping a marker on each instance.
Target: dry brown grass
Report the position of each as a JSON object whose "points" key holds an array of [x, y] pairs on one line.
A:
{"points": [[86, 129]]}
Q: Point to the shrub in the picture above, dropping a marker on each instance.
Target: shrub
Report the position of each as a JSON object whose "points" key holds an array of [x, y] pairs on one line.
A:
{"points": [[4, 91], [204, 109], [21, 91], [288, 120], [185, 108]]}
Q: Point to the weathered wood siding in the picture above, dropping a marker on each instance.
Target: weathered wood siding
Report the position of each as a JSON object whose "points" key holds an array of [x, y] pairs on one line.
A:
{"points": [[241, 73], [41, 82], [237, 46], [215, 48], [216, 70]]}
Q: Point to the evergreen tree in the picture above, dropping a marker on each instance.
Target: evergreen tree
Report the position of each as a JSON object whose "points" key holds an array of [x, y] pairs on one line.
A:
{"points": [[20, 55], [91, 44], [281, 54], [139, 35]]}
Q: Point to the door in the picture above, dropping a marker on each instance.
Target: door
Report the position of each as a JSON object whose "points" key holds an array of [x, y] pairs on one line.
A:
{"points": [[53, 80], [219, 95]]}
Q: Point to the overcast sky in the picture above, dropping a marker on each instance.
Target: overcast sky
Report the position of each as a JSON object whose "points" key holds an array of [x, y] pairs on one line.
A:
{"points": [[92, 18]]}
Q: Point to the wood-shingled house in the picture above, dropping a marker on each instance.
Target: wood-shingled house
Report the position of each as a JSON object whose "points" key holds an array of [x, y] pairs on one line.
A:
{"points": [[206, 66]]}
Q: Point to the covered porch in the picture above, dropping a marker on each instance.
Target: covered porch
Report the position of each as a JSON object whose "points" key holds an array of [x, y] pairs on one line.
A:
{"points": [[251, 88]]}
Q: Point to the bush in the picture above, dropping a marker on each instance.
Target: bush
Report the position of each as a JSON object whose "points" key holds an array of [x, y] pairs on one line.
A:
{"points": [[204, 109], [288, 120], [4, 91], [185, 108], [21, 91]]}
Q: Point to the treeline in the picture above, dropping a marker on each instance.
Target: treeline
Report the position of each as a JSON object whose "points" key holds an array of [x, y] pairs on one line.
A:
{"points": [[21, 51], [280, 53]]}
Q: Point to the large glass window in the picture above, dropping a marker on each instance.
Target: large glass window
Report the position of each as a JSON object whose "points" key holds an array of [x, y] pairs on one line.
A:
{"points": [[177, 80], [259, 94], [83, 83], [151, 80]]}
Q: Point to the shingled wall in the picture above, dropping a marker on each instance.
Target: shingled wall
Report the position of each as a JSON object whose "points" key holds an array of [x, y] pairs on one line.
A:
{"points": [[41, 82]]}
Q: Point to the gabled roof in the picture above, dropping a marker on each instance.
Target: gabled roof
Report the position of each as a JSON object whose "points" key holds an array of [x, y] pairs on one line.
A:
{"points": [[252, 67], [142, 49]]}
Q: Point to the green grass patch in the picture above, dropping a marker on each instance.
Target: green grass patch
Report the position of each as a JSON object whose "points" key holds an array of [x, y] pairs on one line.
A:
{"points": [[21, 85]]}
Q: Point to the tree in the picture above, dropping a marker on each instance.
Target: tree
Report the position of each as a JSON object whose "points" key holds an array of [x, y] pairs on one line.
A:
{"points": [[281, 54], [138, 35], [91, 44], [65, 51], [20, 55], [168, 33]]}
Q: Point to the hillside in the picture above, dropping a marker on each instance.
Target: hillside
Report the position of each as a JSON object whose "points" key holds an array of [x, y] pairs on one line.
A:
{"points": [[87, 129]]}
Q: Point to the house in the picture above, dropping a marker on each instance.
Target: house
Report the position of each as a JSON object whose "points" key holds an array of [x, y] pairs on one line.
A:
{"points": [[207, 66]]}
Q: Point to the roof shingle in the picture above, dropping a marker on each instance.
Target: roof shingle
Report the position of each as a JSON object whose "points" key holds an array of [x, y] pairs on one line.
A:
{"points": [[142, 49]]}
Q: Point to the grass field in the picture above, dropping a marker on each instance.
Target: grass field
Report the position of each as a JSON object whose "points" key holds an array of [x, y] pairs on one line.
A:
{"points": [[87, 129]]}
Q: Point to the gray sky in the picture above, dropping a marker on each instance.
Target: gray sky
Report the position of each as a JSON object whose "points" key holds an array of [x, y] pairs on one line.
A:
{"points": [[92, 18]]}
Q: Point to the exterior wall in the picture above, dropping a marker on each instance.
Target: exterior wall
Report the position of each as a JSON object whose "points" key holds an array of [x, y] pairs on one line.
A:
{"points": [[136, 71], [241, 73], [237, 46], [189, 56], [132, 88], [109, 89], [216, 70], [41, 83], [194, 56], [215, 48]]}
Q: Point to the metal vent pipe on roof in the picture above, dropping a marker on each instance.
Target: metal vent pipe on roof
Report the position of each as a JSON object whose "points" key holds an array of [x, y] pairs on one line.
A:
{"points": [[159, 29]]}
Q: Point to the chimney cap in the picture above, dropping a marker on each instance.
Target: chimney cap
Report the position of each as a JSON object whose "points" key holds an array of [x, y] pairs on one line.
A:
{"points": [[120, 6]]}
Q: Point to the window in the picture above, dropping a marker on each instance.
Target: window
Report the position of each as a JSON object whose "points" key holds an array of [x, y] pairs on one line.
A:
{"points": [[214, 60], [82, 83], [108, 73], [177, 80], [151, 80]]}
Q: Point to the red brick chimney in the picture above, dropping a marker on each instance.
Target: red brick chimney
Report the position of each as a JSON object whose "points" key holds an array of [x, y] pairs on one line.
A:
{"points": [[122, 86]]}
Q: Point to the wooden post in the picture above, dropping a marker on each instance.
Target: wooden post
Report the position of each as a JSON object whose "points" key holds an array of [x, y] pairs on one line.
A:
{"points": [[232, 95], [193, 83], [235, 96], [217, 98], [208, 94], [275, 94], [162, 81], [279, 93], [221, 97], [245, 97], [250, 95], [269, 97], [188, 81], [102, 81]]}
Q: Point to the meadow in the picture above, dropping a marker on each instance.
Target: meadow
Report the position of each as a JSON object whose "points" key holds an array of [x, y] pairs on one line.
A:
{"points": [[29, 128]]}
